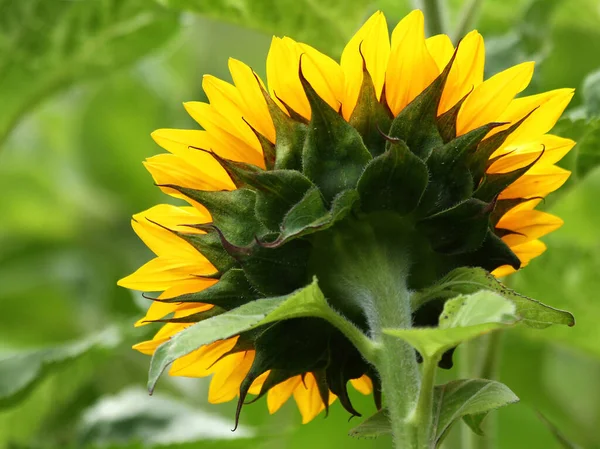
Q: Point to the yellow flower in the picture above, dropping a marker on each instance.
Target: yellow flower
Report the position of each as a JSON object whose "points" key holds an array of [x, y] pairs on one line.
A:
{"points": [[238, 124]]}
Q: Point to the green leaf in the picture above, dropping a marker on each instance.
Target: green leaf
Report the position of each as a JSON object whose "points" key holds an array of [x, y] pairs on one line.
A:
{"points": [[20, 372], [306, 302], [132, 416], [591, 94], [466, 280], [45, 46], [585, 156], [394, 181], [470, 399], [334, 155], [463, 318], [326, 25], [310, 215], [374, 426]]}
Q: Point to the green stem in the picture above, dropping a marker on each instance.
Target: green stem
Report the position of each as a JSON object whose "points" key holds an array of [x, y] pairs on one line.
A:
{"points": [[423, 417], [468, 17], [435, 16]]}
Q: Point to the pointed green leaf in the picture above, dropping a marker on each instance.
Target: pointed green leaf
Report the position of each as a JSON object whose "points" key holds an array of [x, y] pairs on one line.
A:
{"points": [[229, 208], [232, 290], [371, 117], [334, 155], [459, 229], [466, 280], [492, 254], [210, 246], [470, 399], [21, 372], [310, 215], [463, 318], [393, 181], [374, 426]]}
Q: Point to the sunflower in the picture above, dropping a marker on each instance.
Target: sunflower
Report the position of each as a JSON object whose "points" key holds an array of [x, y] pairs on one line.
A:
{"points": [[403, 137]]}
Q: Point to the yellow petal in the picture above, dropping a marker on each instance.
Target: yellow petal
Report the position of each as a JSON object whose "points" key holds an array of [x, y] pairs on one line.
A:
{"points": [[177, 218], [441, 49], [363, 384], [226, 99], [324, 75], [373, 41], [411, 68], [179, 141], [162, 273], [308, 398], [527, 225], [258, 383], [171, 169], [229, 374], [466, 72], [525, 253], [283, 63], [162, 241], [538, 181], [254, 107], [547, 109], [491, 98], [553, 148], [201, 362], [165, 332], [221, 136], [280, 393]]}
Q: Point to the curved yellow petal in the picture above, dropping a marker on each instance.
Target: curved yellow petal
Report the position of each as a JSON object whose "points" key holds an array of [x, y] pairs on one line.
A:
{"points": [[525, 252], [283, 63], [491, 98], [309, 400], [527, 225], [373, 42], [547, 109], [538, 181], [280, 393], [180, 141], [201, 362], [551, 148], [441, 49], [167, 331], [253, 105], [410, 68], [226, 99], [162, 273], [228, 376], [363, 384], [466, 72], [324, 75]]}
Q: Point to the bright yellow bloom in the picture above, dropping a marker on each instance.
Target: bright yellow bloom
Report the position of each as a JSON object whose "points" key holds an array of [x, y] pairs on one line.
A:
{"points": [[400, 69]]}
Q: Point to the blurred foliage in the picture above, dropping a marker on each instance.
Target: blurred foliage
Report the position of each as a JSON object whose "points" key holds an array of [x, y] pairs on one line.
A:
{"points": [[84, 82]]}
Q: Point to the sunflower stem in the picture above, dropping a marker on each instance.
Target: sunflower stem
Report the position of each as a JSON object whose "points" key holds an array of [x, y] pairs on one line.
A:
{"points": [[468, 17]]}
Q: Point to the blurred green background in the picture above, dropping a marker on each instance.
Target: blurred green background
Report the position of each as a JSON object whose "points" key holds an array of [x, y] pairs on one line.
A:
{"points": [[82, 85]]}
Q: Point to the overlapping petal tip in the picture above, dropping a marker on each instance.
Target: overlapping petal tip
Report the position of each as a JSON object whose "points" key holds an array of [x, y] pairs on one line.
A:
{"points": [[411, 68], [369, 46]]}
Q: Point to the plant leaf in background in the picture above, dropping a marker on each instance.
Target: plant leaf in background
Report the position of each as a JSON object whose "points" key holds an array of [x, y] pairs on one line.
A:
{"points": [[48, 45]]}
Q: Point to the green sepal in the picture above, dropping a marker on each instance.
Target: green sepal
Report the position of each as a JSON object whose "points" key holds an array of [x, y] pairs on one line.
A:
{"points": [[446, 122], [310, 215], [276, 271], [334, 154], [450, 179], [468, 280], [416, 124], [479, 160], [241, 173], [267, 147], [459, 229], [229, 208], [289, 134], [370, 116], [494, 183], [209, 244], [232, 290], [492, 254], [393, 181]]}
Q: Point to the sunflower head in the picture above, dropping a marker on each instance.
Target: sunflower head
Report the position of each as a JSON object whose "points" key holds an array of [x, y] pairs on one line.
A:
{"points": [[397, 165]]}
